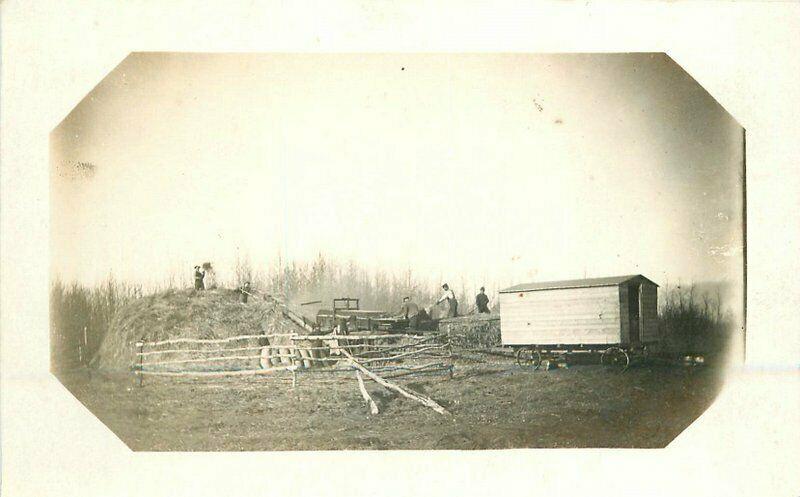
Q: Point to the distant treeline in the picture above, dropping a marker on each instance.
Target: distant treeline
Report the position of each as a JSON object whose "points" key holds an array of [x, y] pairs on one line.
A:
{"points": [[691, 320], [325, 280]]}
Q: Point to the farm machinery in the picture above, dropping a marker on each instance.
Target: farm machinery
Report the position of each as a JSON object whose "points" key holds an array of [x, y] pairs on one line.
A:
{"points": [[346, 313]]}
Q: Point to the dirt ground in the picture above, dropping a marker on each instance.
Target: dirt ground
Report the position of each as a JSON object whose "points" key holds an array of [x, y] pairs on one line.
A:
{"points": [[493, 405]]}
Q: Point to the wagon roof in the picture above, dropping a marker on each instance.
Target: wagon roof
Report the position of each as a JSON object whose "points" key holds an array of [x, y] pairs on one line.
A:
{"points": [[584, 283]]}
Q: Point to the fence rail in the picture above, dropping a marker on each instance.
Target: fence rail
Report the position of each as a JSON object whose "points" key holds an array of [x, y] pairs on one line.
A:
{"points": [[217, 340], [308, 353]]}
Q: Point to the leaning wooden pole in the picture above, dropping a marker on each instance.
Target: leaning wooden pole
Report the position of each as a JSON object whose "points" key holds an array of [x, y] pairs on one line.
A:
{"points": [[422, 399], [288, 313], [373, 407]]}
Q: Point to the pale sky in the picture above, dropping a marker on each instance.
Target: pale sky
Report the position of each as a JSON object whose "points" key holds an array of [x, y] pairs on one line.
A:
{"points": [[487, 169]]}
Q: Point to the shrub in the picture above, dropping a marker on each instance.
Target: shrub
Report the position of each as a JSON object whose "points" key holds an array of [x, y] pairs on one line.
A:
{"points": [[80, 317], [691, 321]]}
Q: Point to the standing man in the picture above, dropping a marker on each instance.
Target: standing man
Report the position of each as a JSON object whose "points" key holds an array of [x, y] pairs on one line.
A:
{"points": [[482, 302], [452, 303], [198, 278], [410, 311], [244, 292]]}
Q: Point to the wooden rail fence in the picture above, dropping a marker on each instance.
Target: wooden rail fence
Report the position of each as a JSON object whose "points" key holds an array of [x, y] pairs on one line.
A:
{"points": [[303, 353]]}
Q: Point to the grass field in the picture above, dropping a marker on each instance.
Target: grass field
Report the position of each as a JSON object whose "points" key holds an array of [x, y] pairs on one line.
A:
{"points": [[494, 405]]}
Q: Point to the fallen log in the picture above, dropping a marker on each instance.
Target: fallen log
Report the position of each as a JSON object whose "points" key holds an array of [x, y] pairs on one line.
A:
{"points": [[422, 399], [373, 407]]}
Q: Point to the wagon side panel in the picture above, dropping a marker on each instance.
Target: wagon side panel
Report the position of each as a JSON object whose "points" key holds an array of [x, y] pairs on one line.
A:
{"points": [[563, 316], [649, 313]]}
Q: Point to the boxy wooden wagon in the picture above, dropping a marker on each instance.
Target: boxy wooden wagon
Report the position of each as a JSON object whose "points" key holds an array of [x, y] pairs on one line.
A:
{"points": [[615, 317]]}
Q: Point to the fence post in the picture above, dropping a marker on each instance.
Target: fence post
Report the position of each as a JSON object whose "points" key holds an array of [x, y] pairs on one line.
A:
{"points": [[449, 348], [139, 363]]}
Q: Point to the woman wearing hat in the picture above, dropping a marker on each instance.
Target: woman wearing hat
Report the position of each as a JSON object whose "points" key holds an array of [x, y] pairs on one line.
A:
{"points": [[199, 274]]}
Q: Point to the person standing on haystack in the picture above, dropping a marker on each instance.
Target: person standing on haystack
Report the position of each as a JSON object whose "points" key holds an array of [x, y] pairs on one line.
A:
{"points": [[198, 278], [244, 292], [482, 302], [452, 303]]}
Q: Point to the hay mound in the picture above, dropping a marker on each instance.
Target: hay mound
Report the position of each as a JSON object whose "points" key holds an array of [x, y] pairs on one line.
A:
{"points": [[210, 314], [473, 331]]}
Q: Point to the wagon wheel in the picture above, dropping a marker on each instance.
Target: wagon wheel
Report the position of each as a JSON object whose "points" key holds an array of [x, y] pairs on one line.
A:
{"points": [[527, 357], [615, 357]]}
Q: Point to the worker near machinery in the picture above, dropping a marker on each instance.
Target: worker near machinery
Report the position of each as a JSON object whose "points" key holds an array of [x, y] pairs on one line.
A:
{"points": [[410, 311], [244, 292], [199, 274], [482, 302], [450, 297]]}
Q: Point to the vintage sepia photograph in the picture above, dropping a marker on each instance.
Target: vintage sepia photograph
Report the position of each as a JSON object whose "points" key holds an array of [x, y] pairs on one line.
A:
{"points": [[295, 251]]}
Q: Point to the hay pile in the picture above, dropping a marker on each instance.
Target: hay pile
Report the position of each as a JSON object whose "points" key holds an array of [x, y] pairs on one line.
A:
{"points": [[209, 314], [473, 331]]}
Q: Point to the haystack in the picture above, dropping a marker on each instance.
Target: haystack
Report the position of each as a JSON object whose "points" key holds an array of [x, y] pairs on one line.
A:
{"points": [[211, 314]]}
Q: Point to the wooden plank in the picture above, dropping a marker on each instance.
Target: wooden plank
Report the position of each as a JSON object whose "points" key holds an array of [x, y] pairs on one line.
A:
{"points": [[573, 336], [562, 294], [588, 302], [577, 309], [610, 332], [561, 323], [596, 315], [566, 291], [568, 295], [515, 300], [562, 333], [611, 327], [541, 305], [549, 340], [566, 319]]}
